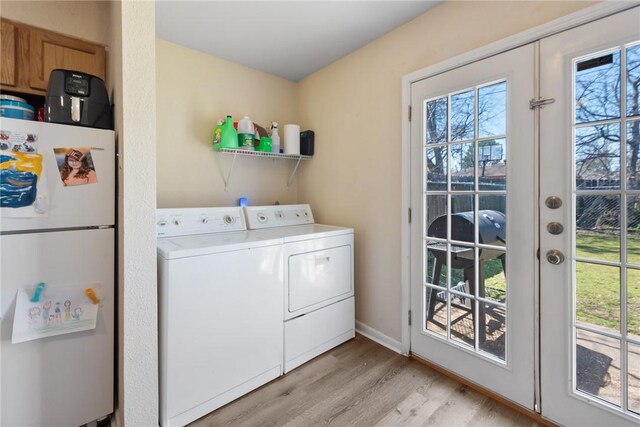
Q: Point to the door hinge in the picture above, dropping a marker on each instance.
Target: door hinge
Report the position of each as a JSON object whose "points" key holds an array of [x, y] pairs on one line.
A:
{"points": [[409, 317], [540, 102], [409, 112], [409, 215]]}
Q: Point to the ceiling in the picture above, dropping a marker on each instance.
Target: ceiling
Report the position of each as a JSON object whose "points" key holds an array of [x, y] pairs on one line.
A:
{"points": [[290, 39]]}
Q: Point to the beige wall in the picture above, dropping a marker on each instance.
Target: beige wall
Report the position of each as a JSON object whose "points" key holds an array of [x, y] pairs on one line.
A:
{"points": [[354, 106], [82, 19], [195, 90]]}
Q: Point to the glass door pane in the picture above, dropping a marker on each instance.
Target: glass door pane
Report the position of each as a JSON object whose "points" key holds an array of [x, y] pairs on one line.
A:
{"points": [[465, 197], [606, 131]]}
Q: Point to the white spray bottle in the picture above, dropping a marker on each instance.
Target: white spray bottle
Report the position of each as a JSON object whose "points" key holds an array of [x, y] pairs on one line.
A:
{"points": [[275, 138]]}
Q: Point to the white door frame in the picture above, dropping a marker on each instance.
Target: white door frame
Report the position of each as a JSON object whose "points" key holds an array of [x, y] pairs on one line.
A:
{"points": [[567, 22]]}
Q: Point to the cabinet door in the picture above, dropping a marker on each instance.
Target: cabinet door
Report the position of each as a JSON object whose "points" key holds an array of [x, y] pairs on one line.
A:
{"points": [[8, 62], [50, 51]]}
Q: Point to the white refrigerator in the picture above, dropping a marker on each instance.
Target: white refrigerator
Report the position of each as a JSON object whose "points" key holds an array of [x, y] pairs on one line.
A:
{"points": [[60, 234]]}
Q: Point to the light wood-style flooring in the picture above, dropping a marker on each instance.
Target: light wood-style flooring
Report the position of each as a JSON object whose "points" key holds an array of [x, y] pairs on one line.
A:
{"points": [[362, 383]]}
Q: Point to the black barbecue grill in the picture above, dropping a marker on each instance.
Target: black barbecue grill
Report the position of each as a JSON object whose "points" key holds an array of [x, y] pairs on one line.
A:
{"points": [[492, 228]]}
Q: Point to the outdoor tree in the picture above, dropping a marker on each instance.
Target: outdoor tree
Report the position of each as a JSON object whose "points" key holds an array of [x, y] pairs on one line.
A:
{"points": [[459, 124], [598, 151]]}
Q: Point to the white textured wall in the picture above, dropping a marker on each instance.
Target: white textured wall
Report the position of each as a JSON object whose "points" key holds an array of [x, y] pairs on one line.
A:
{"points": [[133, 76], [354, 106], [82, 19], [194, 90]]}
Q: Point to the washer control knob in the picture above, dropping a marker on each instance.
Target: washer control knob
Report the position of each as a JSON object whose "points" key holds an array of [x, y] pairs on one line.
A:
{"points": [[228, 219], [162, 222], [177, 221], [279, 214], [262, 218], [204, 219]]}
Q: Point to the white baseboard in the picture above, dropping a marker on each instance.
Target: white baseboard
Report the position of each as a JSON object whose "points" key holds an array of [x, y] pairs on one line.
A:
{"points": [[379, 337]]}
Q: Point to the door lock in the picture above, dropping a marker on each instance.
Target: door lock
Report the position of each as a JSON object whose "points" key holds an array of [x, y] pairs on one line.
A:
{"points": [[553, 202], [555, 257], [555, 228]]}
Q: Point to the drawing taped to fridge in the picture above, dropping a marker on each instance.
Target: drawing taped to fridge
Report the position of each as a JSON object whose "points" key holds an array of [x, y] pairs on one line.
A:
{"points": [[57, 311], [20, 174]]}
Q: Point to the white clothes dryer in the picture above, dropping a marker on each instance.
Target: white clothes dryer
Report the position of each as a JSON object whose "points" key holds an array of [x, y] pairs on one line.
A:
{"points": [[220, 310], [319, 311]]}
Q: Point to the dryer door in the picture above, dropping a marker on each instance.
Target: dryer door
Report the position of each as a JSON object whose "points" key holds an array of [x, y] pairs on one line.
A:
{"points": [[320, 272]]}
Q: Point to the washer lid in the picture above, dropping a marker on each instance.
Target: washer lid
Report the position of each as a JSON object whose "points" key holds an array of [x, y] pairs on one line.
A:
{"points": [[296, 233], [204, 244]]}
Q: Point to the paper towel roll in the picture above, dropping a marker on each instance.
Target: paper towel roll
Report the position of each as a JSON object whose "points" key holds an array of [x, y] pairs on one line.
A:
{"points": [[291, 139]]}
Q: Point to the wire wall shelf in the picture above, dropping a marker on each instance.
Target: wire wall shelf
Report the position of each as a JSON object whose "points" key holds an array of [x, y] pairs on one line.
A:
{"points": [[235, 153]]}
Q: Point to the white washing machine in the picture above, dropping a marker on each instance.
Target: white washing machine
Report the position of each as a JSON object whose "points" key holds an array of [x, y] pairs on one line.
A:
{"points": [[220, 310], [319, 311]]}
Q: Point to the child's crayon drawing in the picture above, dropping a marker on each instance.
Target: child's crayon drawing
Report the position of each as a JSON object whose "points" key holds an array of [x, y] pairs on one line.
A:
{"points": [[60, 310], [20, 174]]}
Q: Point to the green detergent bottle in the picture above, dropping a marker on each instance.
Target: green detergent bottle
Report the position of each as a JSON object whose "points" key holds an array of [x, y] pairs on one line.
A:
{"points": [[228, 136], [217, 135]]}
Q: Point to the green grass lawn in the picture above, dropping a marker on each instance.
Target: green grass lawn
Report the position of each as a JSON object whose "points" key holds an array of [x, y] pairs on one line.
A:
{"points": [[495, 284], [606, 247], [598, 287]]}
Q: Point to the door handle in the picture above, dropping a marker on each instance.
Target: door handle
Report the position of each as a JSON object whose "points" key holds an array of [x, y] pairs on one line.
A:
{"points": [[555, 257]]}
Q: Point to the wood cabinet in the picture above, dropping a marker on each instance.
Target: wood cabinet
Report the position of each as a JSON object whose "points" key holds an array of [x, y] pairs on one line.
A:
{"points": [[8, 59], [29, 54]]}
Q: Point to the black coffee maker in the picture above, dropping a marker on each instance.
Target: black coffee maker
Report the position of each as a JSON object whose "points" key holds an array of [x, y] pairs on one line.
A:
{"points": [[76, 98]]}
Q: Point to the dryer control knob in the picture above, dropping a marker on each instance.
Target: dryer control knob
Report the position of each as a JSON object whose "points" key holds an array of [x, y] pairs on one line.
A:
{"points": [[204, 219], [162, 222], [177, 221], [262, 217], [228, 219]]}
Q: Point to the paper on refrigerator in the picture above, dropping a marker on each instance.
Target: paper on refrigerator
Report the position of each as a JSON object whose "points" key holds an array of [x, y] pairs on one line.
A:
{"points": [[21, 175], [60, 310]]}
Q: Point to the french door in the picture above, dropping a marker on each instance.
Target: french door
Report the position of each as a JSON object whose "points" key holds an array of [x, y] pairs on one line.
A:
{"points": [[590, 301], [525, 259], [473, 250]]}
